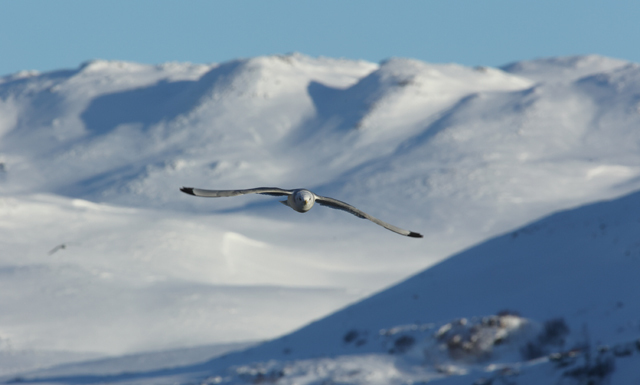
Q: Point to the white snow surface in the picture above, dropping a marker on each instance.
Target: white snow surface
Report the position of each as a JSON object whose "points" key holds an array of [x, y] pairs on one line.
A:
{"points": [[554, 301], [101, 255]]}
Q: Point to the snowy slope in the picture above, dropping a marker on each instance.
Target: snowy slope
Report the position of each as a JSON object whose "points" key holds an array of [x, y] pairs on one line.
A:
{"points": [[566, 285], [92, 158], [132, 280], [580, 266]]}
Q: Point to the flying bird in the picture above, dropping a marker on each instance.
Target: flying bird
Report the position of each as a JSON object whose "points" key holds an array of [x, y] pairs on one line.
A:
{"points": [[300, 200], [61, 246]]}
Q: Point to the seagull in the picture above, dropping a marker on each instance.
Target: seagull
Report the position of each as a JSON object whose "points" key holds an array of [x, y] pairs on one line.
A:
{"points": [[301, 200]]}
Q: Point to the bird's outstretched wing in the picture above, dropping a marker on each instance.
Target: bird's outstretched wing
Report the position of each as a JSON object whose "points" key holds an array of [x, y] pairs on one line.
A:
{"points": [[339, 205], [232, 193]]}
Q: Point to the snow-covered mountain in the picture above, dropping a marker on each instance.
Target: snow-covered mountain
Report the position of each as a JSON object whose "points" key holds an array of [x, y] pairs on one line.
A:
{"points": [[101, 253], [554, 301], [529, 305]]}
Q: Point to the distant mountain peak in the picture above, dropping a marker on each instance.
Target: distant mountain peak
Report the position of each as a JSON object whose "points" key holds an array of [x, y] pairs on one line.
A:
{"points": [[563, 68]]}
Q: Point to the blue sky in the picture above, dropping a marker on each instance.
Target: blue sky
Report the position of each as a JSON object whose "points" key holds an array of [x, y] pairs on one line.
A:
{"points": [[46, 34]]}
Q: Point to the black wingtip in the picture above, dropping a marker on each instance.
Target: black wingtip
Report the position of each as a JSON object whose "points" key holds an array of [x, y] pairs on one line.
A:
{"points": [[414, 235], [187, 190]]}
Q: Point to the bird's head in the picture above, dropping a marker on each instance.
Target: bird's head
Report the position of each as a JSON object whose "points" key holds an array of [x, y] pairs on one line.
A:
{"points": [[304, 200]]}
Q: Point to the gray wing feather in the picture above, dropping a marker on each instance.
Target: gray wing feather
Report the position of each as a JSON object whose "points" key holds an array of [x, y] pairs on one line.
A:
{"points": [[339, 205], [232, 193]]}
